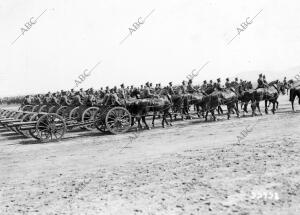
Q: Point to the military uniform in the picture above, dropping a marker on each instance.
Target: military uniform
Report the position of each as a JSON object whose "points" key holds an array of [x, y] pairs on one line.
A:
{"points": [[227, 85], [190, 88], [147, 93], [260, 83], [64, 101]]}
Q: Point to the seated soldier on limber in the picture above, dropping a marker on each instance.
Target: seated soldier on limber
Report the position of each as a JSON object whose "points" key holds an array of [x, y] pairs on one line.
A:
{"points": [[227, 84], [146, 91], [54, 101], [190, 88], [183, 87], [218, 85], [260, 82], [64, 100], [26, 101], [76, 100]]}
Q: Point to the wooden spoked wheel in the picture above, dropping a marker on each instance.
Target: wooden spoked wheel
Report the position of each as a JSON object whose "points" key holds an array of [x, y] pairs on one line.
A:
{"points": [[33, 132], [27, 108], [74, 114], [43, 108], [50, 127], [99, 120], [88, 115], [53, 109], [62, 111], [118, 120], [36, 108]]}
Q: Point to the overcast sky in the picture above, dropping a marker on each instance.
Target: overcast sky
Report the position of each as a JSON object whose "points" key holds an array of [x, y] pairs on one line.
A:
{"points": [[72, 36]]}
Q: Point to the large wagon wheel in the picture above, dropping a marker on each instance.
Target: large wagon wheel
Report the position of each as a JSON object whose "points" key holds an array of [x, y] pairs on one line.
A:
{"points": [[88, 115], [27, 108], [61, 111], [43, 108], [33, 132], [36, 108], [74, 114], [50, 127], [52, 109], [99, 120], [118, 120]]}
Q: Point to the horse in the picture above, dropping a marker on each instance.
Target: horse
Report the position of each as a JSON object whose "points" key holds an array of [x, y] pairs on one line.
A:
{"points": [[230, 99], [158, 103], [294, 92], [271, 93]]}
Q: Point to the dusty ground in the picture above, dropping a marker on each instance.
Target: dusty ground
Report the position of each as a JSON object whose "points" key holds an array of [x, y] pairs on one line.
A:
{"points": [[190, 168]]}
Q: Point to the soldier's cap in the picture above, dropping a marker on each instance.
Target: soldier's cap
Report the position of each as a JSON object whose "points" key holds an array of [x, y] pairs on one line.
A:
{"points": [[122, 85], [264, 76], [190, 81], [218, 79], [111, 90], [107, 87], [170, 82], [204, 81], [260, 75], [183, 82], [227, 79], [210, 81], [236, 78]]}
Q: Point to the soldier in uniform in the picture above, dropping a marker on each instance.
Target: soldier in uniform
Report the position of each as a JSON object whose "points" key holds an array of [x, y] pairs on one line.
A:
{"points": [[72, 93], [210, 84], [54, 100], [170, 88], [260, 83], [204, 85], [190, 88], [183, 87], [121, 92], [218, 84], [27, 100], [82, 93], [227, 84], [112, 99], [37, 99], [77, 101], [91, 99], [107, 90], [64, 100], [265, 81], [46, 99], [157, 88], [146, 91]]}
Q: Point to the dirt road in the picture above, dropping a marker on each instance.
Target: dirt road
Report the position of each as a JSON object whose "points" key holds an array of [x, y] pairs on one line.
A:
{"points": [[192, 167]]}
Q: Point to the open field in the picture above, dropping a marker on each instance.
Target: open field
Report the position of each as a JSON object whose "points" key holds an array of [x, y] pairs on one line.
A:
{"points": [[192, 167]]}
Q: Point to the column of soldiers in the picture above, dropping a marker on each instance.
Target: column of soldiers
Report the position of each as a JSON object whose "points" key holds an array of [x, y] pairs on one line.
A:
{"points": [[91, 96]]}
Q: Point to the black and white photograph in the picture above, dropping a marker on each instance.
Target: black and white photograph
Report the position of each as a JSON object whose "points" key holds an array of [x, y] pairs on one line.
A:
{"points": [[149, 107]]}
